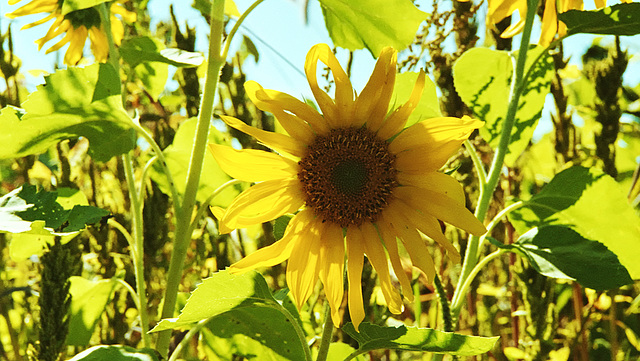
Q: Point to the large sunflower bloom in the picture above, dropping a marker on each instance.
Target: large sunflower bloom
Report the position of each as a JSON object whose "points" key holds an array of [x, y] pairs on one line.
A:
{"points": [[77, 26], [358, 178]]}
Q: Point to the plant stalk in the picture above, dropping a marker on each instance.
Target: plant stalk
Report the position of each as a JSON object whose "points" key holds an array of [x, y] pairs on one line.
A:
{"points": [[327, 332]]}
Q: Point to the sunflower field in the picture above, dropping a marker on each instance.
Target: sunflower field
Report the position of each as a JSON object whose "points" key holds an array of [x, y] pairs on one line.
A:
{"points": [[320, 180]]}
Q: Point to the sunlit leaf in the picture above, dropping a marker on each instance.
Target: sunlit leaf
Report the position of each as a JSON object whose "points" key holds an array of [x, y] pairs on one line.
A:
{"points": [[77, 102], [560, 252], [428, 106], [73, 5], [204, 6], [220, 293], [178, 155], [147, 49], [482, 78], [116, 353], [373, 337], [88, 301], [371, 24], [619, 19], [592, 204]]}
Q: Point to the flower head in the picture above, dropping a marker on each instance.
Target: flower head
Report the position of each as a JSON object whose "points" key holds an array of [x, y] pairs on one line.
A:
{"points": [[358, 180], [77, 26]]}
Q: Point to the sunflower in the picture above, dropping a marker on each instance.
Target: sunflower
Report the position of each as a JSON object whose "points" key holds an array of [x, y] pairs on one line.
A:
{"points": [[77, 26], [357, 180]]}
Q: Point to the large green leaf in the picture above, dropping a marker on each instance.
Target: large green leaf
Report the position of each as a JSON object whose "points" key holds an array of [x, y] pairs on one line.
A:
{"points": [[373, 337], [146, 49], [560, 252], [88, 301], [116, 353], [371, 24], [593, 205], [220, 293], [178, 155], [428, 106], [263, 333], [482, 79], [619, 19], [77, 102]]}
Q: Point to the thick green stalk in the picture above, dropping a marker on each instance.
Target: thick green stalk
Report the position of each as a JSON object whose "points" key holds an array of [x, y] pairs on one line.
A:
{"points": [[327, 333], [517, 86], [182, 235]]}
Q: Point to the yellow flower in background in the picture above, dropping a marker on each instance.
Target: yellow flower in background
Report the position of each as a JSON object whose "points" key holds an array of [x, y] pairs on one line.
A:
{"points": [[358, 178], [76, 27]]}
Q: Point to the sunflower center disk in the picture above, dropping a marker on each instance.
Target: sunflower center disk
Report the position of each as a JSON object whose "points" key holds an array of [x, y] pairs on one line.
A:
{"points": [[347, 176]]}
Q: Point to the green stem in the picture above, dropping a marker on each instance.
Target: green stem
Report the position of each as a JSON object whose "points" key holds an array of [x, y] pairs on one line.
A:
{"points": [[182, 235], [327, 333], [131, 291], [417, 304], [187, 338], [503, 213], [444, 302], [477, 163], [137, 251], [467, 281], [236, 26], [486, 194], [203, 207]]}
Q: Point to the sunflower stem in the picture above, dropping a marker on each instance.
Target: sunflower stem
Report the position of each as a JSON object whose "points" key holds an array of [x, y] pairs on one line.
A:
{"points": [[444, 302], [327, 333], [486, 194], [236, 26], [183, 223]]}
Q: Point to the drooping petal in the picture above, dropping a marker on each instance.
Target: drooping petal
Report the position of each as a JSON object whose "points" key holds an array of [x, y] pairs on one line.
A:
{"points": [[117, 29], [279, 142], [34, 7], [41, 21], [396, 121], [76, 45], [549, 23], [331, 268], [264, 202], [375, 252], [99, 44], [355, 261], [59, 26], [128, 16], [252, 165], [372, 104], [293, 125], [294, 115], [418, 251], [340, 112], [302, 269], [436, 182], [442, 207], [279, 251], [391, 245], [427, 145]]}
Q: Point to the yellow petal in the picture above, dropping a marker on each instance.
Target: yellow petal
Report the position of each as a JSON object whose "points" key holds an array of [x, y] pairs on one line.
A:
{"points": [[355, 261], [513, 29], [264, 202], [391, 245], [339, 113], [99, 44], [117, 30], [302, 269], [442, 207], [332, 268], [219, 212], [378, 258], [76, 45], [41, 21], [128, 16], [427, 145], [500, 9], [396, 121], [279, 104], [418, 251], [436, 182], [602, 3], [59, 26], [251, 165], [549, 23], [34, 7], [275, 141], [280, 250], [372, 104]]}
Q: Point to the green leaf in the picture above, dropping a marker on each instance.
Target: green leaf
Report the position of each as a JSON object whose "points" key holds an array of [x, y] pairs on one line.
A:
{"points": [[88, 301], [619, 19], [372, 24], [77, 102], [73, 5], [428, 106], [482, 78], [259, 332], [142, 49], [560, 252], [220, 293], [116, 353], [592, 204], [373, 337], [178, 155], [340, 351]]}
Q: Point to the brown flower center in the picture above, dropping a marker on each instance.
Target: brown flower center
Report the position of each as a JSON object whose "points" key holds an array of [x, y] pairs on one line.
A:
{"points": [[347, 176]]}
